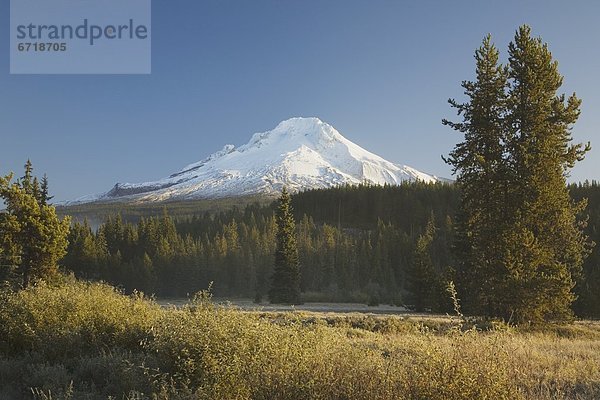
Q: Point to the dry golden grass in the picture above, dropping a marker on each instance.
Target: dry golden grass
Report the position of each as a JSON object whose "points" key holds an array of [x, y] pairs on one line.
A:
{"points": [[86, 341]]}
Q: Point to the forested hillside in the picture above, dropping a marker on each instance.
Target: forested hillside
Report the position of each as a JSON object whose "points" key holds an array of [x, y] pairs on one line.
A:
{"points": [[370, 244]]}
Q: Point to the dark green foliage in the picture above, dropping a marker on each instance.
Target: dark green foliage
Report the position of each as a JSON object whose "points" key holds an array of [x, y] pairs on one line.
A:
{"points": [[235, 249], [407, 206], [285, 282], [32, 237], [588, 282], [350, 255], [426, 282], [44, 191], [520, 244]]}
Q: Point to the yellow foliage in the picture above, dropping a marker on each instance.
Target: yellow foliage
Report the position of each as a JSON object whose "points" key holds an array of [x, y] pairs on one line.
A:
{"points": [[83, 340]]}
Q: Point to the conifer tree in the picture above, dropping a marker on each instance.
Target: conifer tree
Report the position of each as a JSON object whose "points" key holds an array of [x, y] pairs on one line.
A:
{"points": [[44, 192], [519, 240], [34, 239], [285, 282], [548, 245], [423, 277], [27, 179], [481, 168]]}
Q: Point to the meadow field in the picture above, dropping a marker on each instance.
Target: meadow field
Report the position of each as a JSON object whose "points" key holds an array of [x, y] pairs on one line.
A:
{"points": [[76, 340]]}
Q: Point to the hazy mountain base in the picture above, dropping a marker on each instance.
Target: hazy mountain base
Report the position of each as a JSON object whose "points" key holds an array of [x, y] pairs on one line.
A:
{"points": [[86, 341], [96, 213]]}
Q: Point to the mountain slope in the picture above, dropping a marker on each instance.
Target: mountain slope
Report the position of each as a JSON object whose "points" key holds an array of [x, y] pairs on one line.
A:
{"points": [[300, 153]]}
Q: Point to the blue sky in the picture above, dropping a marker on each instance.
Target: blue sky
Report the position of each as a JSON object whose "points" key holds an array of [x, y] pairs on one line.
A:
{"points": [[379, 71]]}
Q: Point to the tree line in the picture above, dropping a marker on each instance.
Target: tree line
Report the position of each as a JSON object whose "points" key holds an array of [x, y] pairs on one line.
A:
{"points": [[362, 257], [348, 253]]}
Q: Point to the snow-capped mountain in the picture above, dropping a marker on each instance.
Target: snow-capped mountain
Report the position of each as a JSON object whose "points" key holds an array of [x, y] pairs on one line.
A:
{"points": [[300, 153]]}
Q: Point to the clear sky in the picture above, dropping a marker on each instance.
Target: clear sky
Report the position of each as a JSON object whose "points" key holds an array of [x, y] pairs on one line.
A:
{"points": [[379, 71]]}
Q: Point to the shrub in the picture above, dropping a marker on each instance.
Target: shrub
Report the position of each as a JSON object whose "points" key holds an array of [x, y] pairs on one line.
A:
{"points": [[78, 340], [73, 318]]}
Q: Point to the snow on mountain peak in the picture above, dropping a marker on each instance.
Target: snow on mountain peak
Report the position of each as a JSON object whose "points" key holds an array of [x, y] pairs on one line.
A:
{"points": [[298, 130], [299, 153]]}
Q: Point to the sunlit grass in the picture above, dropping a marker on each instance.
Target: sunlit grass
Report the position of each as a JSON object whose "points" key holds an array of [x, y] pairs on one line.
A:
{"points": [[79, 340]]}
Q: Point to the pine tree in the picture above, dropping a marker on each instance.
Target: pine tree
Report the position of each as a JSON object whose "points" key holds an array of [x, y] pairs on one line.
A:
{"points": [[27, 179], [519, 240], [285, 282], [422, 277], [481, 168], [548, 245], [34, 238], [81, 255], [44, 192]]}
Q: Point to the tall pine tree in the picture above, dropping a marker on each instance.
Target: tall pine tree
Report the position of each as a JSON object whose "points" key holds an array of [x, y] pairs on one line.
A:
{"points": [[285, 282], [548, 245], [520, 241], [481, 167]]}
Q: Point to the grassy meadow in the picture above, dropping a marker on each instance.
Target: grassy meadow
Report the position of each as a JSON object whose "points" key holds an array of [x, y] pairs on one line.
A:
{"points": [[76, 340]]}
